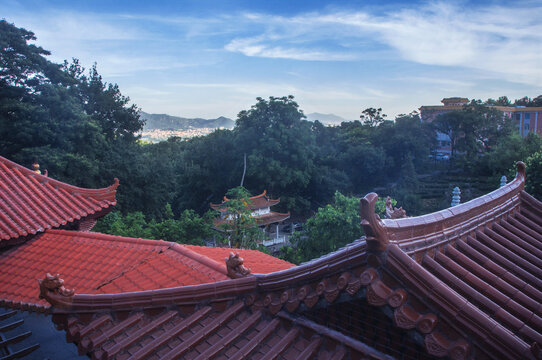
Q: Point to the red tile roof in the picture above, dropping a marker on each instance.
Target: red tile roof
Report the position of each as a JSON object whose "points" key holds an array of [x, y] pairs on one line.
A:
{"points": [[95, 263], [461, 283], [31, 203], [214, 331], [256, 261], [256, 202]]}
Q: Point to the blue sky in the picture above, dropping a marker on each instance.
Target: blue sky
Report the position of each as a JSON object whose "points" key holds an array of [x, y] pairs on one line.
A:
{"points": [[212, 58]]}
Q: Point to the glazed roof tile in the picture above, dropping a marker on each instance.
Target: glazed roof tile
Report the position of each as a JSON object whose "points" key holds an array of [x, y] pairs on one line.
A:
{"points": [[465, 281], [97, 263], [31, 203], [221, 331], [257, 261]]}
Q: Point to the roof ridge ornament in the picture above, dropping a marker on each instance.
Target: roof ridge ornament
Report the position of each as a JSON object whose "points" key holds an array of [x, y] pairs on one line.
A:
{"points": [[115, 185], [375, 234], [393, 212], [235, 267], [52, 289]]}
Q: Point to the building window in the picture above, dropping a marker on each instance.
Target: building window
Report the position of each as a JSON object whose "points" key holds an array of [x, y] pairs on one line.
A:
{"points": [[526, 127], [527, 117]]}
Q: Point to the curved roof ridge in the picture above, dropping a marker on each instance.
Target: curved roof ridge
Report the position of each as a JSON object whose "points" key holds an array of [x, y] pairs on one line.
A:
{"points": [[200, 258], [283, 279], [419, 233], [31, 202], [105, 193], [109, 237], [257, 202]]}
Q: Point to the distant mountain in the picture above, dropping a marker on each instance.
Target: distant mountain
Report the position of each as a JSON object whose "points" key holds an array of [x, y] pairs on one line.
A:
{"points": [[169, 122], [326, 119]]}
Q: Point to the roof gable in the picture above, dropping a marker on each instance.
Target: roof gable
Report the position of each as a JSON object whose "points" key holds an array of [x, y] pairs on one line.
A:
{"points": [[94, 263], [32, 203]]}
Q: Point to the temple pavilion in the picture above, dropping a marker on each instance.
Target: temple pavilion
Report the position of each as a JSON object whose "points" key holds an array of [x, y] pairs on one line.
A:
{"points": [[260, 207]]}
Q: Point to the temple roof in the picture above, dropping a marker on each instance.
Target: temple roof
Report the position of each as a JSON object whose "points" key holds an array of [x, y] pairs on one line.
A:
{"points": [[95, 263], [264, 219], [31, 203], [256, 202], [461, 283]]}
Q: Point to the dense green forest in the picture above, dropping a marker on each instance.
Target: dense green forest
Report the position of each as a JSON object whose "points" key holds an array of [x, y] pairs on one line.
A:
{"points": [[83, 130]]}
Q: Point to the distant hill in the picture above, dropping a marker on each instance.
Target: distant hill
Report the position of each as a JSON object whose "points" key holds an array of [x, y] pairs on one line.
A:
{"points": [[326, 119], [169, 122]]}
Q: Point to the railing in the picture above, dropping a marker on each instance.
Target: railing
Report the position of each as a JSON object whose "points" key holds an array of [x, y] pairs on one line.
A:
{"points": [[281, 239]]}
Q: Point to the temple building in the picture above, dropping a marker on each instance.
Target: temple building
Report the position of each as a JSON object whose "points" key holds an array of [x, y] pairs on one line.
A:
{"points": [[45, 228], [260, 207], [461, 283]]}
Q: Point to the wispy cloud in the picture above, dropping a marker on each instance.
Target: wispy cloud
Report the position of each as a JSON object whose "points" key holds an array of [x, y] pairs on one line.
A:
{"points": [[504, 40], [332, 59], [258, 47]]}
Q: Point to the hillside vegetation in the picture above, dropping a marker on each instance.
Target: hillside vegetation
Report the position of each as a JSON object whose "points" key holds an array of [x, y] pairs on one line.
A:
{"points": [[84, 131]]}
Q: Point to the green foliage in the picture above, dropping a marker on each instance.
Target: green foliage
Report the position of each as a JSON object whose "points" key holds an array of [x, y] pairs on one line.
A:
{"points": [[533, 183], [372, 116], [84, 131], [501, 101], [241, 227], [189, 228], [473, 131], [280, 148], [321, 234], [73, 123], [528, 102], [502, 158]]}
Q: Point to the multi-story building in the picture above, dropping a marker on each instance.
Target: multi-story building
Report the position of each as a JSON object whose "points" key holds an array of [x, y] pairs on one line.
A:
{"points": [[527, 119]]}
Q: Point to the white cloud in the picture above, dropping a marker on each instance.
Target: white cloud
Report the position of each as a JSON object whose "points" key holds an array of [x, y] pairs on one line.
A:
{"points": [[257, 47], [505, 41]]}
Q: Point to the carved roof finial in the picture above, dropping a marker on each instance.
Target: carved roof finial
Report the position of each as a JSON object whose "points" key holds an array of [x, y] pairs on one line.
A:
{"points": [[393, 212], [53, 286], [376, 235], [235, 267]]}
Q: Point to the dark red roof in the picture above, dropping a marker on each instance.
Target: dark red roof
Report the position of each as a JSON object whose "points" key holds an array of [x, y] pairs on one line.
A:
{"points": [[31, 203], [219, 330], [256, 202], [95, 263], [476, 267]]}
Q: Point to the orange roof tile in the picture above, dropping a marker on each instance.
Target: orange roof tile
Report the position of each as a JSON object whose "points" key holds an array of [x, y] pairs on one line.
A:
{"points": [[94, 263], [256, 261], [31, 203]]}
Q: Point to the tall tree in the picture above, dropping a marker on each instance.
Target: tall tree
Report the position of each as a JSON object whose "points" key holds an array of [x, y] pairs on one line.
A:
{"points": [[473, 130], [280, 147], [240, 226]]}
